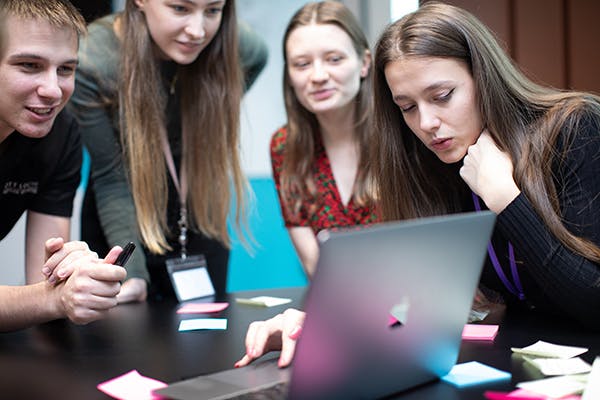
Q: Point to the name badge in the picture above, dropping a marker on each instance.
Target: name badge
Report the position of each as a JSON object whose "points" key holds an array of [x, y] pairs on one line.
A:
{"points": [[189, 277]]}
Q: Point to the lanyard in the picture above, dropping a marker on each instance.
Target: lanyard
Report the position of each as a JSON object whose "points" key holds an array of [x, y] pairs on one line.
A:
{"points": [[517, 288], [180, 184]]}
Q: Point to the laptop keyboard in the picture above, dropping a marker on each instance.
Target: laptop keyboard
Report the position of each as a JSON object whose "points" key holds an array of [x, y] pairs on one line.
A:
{"points": [[275, 392]]}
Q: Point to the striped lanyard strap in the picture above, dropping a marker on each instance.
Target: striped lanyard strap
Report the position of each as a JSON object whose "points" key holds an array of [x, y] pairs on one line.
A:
{"points": [[180, 183]]}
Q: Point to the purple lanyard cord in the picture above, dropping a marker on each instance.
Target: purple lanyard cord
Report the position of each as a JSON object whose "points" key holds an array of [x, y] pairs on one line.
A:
{"points": [[518, 291]]}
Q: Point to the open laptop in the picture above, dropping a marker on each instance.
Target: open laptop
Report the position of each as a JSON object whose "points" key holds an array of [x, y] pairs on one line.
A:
{"points": [[385, 313]]}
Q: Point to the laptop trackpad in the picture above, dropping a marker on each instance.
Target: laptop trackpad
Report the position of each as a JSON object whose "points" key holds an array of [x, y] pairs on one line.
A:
{"points": [[259, 373], [205, 387], [262, 373]]}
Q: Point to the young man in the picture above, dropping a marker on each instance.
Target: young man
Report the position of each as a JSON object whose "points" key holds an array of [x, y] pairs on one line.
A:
{"points": [[40, 158]]}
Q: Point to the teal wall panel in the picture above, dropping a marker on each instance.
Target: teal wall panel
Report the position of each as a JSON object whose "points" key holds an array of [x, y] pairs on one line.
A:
{"points": [[272, 262]]}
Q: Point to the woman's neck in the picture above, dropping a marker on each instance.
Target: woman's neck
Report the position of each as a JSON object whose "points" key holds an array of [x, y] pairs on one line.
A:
{"points": [[337, 126]]}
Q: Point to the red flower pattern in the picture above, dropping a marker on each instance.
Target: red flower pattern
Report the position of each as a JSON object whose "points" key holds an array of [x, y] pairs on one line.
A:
{"points": [[328, 211]]}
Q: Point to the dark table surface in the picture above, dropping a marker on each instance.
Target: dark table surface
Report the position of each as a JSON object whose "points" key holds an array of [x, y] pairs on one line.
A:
{"points": [[60, 360]]}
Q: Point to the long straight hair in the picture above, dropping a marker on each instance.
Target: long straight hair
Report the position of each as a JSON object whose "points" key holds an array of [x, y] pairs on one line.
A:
{"points": [[211, 92], [297, 184], [526, 120]]}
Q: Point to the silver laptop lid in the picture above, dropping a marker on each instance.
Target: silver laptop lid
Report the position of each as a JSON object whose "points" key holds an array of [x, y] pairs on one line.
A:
{"points": [[424, 272]]}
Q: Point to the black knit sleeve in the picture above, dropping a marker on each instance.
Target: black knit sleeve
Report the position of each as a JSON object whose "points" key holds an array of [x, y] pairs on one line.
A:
{"points": [[569, 280]]}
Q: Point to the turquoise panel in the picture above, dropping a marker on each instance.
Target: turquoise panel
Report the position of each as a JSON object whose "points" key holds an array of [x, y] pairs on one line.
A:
{"points": [[272, 262]]}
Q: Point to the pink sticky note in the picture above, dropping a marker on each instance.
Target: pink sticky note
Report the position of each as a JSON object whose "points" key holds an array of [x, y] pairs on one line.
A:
{"points": [[479, 332], [132, 386], [202, 308], [491, 395], [521, 394], [514, 395]]}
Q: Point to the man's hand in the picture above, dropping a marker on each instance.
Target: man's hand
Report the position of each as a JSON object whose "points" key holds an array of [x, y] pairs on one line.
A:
{"points": [[61, 256], [91, 289]]}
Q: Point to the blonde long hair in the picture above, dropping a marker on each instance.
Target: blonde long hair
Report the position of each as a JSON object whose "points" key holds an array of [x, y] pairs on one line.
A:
{"points": [[211, 92]]}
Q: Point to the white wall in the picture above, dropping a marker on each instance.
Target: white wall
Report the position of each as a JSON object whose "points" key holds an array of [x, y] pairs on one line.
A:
{"points": [[12, 253], [263, 109]]}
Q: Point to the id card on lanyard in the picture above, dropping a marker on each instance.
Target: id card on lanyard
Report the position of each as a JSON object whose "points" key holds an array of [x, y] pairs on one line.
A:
{"points": [[188, 273], [189, 277]]}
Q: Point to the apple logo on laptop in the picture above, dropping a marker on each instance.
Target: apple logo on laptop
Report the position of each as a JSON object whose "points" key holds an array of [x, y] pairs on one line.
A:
{"points": [[398, 314]]}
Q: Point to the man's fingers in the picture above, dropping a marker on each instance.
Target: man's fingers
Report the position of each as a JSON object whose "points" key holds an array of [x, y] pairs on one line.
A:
{"points": [[61, 252], [98, 302], [107, 290], [82, 316], [52, 245], [60, 273], [106, 272], [67, 265]]}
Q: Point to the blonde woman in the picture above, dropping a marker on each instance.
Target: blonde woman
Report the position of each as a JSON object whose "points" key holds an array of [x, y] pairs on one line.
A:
{"points": [[158, 97]]}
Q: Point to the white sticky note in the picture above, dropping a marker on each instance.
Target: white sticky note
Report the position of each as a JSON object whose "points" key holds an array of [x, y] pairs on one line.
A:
{"points": [[592, 390], [203, 323], [545, 349], [264, 301], [555, 387], [477, 315], [560, 366]]}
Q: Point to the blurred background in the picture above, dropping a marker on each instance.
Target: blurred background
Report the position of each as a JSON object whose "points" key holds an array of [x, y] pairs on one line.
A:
{"points": [[553, 41]]}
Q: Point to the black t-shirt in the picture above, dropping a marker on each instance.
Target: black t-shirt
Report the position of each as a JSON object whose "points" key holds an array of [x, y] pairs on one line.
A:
{"points": [[40, 175]]}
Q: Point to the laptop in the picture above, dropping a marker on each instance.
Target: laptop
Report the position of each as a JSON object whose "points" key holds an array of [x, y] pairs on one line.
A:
{"points": [[385, 313]]}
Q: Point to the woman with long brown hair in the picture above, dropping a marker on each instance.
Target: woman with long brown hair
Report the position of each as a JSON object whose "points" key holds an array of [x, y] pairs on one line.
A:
{"points": [[460, 128], [158, 100], [319, 156]]}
